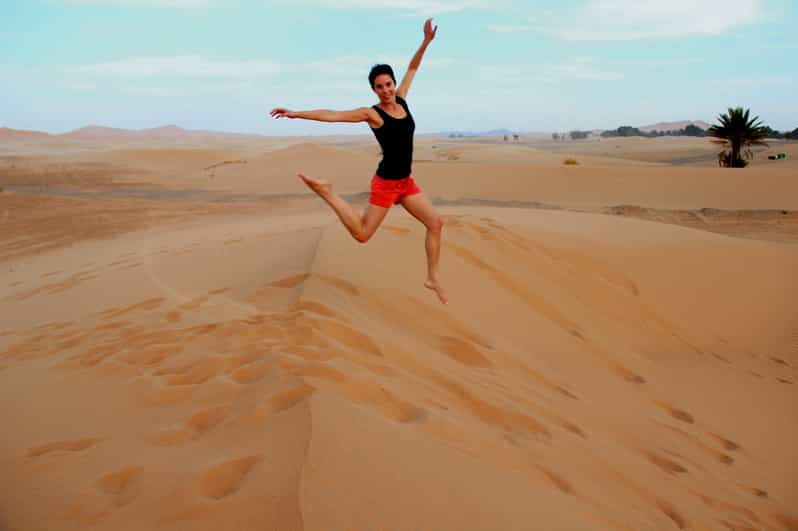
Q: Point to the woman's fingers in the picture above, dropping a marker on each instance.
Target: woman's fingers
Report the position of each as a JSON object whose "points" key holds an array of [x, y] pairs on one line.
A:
{"points": [[429, 30]]}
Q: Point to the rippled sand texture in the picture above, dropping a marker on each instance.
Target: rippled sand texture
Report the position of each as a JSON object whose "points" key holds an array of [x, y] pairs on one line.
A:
{"points": [[620, 350]]}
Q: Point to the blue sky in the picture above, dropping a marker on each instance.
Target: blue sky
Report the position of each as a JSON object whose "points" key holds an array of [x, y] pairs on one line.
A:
{"points": [[522, 65]]}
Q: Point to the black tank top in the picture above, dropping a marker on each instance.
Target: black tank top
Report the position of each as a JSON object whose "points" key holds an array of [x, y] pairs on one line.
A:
{"points": [[396, 140]]}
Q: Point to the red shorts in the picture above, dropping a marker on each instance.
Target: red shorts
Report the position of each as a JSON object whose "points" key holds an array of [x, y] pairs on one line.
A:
{"points": [[387, 192]]}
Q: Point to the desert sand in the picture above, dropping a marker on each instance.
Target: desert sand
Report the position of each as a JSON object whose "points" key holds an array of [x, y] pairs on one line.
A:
{"points": [[190, 340]]}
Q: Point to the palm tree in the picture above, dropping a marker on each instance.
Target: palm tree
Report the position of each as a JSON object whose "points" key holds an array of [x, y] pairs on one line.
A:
{"points": [[738, 134]]}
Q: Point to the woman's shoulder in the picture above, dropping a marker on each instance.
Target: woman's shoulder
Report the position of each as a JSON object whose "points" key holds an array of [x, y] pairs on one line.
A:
{"points": [[401, 101]]}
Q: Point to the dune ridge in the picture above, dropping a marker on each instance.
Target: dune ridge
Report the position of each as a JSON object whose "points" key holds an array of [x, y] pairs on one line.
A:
{"points": [[619, 351], [575, 418]]}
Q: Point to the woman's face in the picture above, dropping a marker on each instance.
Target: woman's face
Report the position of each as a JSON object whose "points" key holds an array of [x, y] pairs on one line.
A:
{"points": [[384, 87]]}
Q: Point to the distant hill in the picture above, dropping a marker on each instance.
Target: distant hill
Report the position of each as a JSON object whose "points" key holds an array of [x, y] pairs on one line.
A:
{"points": [[166, 132], [674, 126], [472, 133], [19, 135], [96, 132]]}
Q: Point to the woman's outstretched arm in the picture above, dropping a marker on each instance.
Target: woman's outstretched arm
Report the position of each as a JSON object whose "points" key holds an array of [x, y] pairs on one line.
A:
{"points": [[429, 34], [362, 114]]}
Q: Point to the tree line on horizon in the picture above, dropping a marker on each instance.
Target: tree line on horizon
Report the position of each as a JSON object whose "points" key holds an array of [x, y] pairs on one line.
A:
{"points": [[690, 130], [736, 131], [626, 130]]}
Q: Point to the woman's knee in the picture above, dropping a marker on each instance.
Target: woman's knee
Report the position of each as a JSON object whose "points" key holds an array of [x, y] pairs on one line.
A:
{"points": [[436, 224], [362, 236]]}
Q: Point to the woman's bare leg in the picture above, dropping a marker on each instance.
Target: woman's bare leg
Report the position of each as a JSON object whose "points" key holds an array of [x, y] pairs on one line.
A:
{"points": [[360, 227], [421, 209]]}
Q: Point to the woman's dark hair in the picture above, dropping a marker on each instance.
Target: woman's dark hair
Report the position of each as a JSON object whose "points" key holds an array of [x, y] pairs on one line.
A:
{"points": [[378, 70]]}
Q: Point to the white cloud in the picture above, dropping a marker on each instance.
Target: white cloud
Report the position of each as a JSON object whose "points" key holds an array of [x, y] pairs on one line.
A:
{"points": [[656, 63], [508, 28], [185, 66], [139, 3], [781, 46], [754, 82], [82, 87], [417, 7], [358, 66], [579, 68], [342, 65], [640, 19], [499, 73], [154, 91]]}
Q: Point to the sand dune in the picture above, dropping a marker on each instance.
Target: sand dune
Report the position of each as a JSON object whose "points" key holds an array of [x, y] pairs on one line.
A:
{"points": [[288, 365], [674, 126], [10, 136], [620, 350]]}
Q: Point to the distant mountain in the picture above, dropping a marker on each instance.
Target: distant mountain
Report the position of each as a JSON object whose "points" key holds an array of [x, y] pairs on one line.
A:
{"points": [[472, 133], [96, 132], [19, 135], [674, 126], [166, 132]]}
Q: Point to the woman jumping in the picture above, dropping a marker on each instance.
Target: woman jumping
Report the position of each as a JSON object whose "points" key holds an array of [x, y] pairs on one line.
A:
{"points": [[393, 125]]}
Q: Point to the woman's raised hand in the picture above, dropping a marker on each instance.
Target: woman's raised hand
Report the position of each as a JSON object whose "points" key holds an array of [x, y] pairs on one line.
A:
{"points": [[429, 30], [282, 113]]}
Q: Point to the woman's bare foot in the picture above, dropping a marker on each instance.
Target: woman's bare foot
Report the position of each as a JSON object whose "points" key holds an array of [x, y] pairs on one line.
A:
{"points": [[434, 286], [320, 186]]}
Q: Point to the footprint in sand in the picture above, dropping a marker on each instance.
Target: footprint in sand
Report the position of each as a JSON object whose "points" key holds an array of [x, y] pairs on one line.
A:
{"points": [[378, 397], [721, 358], [225, 479], [198, 425], [112, 491], [759, 493], [726, 443], [675, 412], [708, 449], [462, 351], [284, 400], [251, 373], [779, 361], [62, 446], [626, 374], [663, 463], [122, 484], [535, 376], [670, 511], [557, 480], [788, 521], [347, 336], [173, 316], [149, 356], [195, 373], [278, 402], [752, 520]]}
